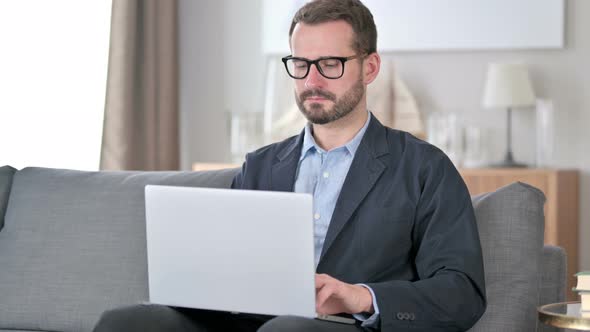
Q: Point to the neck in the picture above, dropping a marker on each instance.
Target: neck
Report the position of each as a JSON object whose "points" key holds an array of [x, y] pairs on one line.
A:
{"points": [[335, 134]]}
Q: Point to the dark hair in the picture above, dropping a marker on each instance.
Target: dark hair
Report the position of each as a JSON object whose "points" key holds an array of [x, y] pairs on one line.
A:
{"points": [[351, 11]]}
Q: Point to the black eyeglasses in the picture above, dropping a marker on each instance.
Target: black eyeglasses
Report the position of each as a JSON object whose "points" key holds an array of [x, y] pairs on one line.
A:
{"points": [[330, 67]]}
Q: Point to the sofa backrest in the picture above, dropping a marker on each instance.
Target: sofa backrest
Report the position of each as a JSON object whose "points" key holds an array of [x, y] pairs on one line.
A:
{"points": [[73, 244]]}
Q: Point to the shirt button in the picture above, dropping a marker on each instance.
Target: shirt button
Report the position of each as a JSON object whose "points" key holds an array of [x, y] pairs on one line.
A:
{"points": [[316, 216], [326, 175]]}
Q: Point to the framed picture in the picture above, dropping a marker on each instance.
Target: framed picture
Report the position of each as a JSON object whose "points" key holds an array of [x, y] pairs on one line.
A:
{"points": [[435, 25]]}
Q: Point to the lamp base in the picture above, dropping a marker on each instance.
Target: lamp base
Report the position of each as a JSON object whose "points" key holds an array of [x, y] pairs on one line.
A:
{"points": [[508, 162]]}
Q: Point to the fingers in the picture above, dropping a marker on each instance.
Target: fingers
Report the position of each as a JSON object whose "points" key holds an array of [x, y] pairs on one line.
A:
{"points": [[334, 296], [322, 296], [328, 297], [323, 289], [321, 280]]}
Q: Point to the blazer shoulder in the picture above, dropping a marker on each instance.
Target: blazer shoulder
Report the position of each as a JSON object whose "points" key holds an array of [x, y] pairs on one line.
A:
{"points": [[275, 150], [258, 164], [412, 146]]}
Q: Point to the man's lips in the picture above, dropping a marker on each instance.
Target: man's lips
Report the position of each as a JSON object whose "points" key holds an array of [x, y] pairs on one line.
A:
{"points": [[316, 99], [317, 96]]}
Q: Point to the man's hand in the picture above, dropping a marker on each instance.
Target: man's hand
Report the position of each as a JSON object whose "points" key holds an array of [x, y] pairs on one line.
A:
{"points": [[334, 297]]}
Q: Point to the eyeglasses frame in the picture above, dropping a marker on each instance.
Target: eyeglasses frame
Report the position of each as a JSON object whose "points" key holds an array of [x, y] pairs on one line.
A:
{"points": [[317, 66]]}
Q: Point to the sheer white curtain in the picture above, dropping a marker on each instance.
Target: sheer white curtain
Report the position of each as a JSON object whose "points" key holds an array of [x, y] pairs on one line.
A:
{"points": [[53, 68]]}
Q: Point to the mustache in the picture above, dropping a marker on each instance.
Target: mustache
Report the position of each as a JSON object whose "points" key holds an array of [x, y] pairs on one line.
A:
{"points": [[317, 93]]}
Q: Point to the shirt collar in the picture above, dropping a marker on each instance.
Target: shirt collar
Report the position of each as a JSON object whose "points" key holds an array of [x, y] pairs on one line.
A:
{"points": [[309, 142]]}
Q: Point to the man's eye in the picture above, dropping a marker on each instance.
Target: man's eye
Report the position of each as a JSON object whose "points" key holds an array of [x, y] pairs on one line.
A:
{"points": [[330, 63], [300, 64]]}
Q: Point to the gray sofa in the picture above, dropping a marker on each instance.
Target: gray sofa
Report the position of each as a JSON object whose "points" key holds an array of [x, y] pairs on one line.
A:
{"points": [[72, 244]]}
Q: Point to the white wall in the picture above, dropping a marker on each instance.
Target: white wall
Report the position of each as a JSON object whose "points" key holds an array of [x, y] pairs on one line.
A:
{"points": [[203, 134], [221, 71], [453, 82], [244, 65], [213, 32]]}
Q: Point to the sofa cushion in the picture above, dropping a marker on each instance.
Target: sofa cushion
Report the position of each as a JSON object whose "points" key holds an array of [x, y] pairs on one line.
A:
{"points": [[73, 244], [6, 173], [511, 228]]}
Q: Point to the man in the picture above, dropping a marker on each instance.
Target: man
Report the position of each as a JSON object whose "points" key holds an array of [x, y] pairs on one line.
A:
{"points": [[396, 241]]}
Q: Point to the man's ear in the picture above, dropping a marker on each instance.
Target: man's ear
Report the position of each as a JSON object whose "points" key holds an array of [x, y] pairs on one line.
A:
{"points": [[371, 67]]}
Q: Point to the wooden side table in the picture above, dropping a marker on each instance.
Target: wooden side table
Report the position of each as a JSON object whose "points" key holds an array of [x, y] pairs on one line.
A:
{"points": [[561, 187], [565, 315]]}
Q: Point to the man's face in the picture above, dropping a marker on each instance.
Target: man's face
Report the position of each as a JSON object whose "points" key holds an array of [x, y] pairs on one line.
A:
{"points": [[320, 99]]}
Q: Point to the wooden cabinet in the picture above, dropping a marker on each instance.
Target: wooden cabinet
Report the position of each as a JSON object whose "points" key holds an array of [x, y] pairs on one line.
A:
{"points": [[212, 166], [561, 187]]}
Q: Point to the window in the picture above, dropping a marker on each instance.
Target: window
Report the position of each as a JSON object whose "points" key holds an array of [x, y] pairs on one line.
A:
{"points": [[53, 69]]}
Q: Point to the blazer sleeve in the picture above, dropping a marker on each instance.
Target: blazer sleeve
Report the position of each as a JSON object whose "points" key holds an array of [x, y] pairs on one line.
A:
{"points": [[449, 294], [238, 181], [244, 179]]}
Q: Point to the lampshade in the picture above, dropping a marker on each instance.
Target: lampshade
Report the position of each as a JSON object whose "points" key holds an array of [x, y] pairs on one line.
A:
{"points": [[508, 85]]}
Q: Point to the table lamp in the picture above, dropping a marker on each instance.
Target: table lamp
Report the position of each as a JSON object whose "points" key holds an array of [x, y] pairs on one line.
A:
{"points": [[508, 86]]}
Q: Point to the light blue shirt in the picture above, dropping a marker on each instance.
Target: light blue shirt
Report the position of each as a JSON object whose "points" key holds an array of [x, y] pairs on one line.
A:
{"points": [[322, 173]]}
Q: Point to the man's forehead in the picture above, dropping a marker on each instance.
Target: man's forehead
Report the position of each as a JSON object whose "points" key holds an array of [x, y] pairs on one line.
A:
{"points": [[322, 39]]}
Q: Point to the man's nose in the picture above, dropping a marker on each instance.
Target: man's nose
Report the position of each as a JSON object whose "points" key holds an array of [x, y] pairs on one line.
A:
{"points": [[314, 79]]}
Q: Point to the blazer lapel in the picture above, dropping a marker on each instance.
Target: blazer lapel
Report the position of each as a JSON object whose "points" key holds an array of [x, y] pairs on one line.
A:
{"points": [[283, 172], [364, 172]]}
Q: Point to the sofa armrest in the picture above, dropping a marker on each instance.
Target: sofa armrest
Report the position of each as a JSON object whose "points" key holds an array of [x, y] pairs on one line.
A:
{"points": [[6, 175], [552, 284]]}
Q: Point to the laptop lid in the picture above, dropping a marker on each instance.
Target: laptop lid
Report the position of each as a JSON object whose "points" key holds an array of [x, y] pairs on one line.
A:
{"points": [[231, 250]]}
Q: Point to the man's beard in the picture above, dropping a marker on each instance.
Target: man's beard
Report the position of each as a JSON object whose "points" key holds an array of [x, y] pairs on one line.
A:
{"points": [[317, 114]]}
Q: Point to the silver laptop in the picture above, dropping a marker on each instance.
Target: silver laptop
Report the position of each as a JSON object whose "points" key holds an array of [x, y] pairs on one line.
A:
{"points": [[231, 250]]}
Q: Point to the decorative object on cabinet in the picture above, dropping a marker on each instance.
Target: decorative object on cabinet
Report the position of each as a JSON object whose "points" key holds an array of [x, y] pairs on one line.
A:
{"points": [[545, 127], [445, 132]]}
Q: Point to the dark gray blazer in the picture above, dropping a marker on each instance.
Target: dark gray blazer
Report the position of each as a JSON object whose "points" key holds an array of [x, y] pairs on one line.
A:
{"points": [[403, 224]]}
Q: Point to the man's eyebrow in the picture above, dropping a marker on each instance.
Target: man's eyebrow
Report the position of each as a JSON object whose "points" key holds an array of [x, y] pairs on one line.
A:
{"points": [[320, 58]]}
